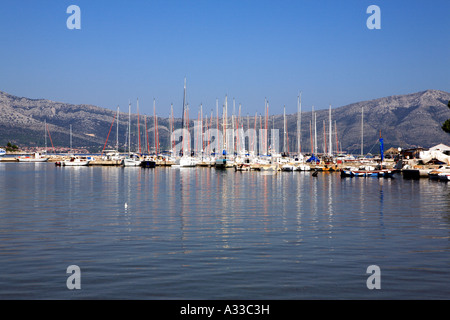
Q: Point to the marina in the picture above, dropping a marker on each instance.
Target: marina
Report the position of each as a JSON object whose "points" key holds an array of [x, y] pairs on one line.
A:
{"points": [[253, 221], [249, 154], [350, 168]]}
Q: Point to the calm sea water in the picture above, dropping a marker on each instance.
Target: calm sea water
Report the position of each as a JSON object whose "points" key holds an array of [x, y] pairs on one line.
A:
{"points": [[200, 233]]}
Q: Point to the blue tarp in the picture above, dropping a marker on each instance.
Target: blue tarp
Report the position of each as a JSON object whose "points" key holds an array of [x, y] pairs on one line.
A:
{"points": [[313, 158]]}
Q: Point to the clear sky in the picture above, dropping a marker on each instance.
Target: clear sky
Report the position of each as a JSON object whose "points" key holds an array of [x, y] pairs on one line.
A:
{"points": [[249, 50]]}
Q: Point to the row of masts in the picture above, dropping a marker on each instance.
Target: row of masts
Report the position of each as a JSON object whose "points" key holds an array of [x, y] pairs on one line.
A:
{"points": [[233, 141], [236, 142]]}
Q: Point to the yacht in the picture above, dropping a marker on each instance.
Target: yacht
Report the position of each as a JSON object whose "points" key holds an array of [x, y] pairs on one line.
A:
{"points": [[2, 152]]}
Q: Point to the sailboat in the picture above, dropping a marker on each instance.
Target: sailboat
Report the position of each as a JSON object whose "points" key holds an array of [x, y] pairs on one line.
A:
{"points": [[185, 160], [75, 161], [370, 171], [35, 157], [133, 159], [221, 161]]}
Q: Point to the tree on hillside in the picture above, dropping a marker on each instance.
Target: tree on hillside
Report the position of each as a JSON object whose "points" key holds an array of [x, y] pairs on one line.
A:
{"points": [[446, 125], [11, 147]]}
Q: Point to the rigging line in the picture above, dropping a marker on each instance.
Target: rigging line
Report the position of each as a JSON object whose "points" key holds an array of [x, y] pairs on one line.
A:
{"points": [[51, 139], [109, 133]]}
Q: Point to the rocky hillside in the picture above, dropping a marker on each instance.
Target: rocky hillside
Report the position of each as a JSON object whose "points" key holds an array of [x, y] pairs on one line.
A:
{"points": [[405, 121], [22, 121]]}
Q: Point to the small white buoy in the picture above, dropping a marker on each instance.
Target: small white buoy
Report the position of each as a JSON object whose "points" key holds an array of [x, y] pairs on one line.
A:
{"points": [[126, 205]]}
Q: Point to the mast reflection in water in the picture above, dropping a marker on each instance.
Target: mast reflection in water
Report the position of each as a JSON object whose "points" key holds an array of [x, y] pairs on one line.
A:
{"points": [[200, 233]]}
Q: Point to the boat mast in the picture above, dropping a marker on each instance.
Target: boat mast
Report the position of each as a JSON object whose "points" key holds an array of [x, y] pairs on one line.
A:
{"points": [[299, 123], [272, 136], [138, 128], [315, 131], [187, 128], [146, 134], [117, 133], [225, 111], [155, 127], [261, 147], [183, 117], [202, 142], [233, 150], [362, 131], [337, 142], [284, 126], [70, 138], [241, 139], [263, 133], [45, 133], [171, 127], [254, 141], [248, 130], [129, 128], [267, 130], [330, 134]]}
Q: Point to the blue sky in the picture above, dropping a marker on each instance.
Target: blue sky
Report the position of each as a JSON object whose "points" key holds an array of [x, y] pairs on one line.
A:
{"points": [[249, 50]]}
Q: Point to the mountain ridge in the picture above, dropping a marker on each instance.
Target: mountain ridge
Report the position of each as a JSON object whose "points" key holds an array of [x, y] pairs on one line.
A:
{"points": [[407, 121]]}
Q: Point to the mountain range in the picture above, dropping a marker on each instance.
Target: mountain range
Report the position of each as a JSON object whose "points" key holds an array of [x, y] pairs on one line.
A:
{"points": [[406, 121]]}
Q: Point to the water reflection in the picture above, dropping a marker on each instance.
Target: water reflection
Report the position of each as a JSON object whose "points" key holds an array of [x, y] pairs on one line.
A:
{"points": [[244, 234]]}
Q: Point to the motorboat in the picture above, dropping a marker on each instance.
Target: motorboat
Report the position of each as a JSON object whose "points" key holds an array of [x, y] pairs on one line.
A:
{"points": [[367, 171], [186, 161], [148, 162], [287, 167], [302, 167], [76, 161], [242, 167], [437, 174], [36, 157], [444, 176], [220, 163]]}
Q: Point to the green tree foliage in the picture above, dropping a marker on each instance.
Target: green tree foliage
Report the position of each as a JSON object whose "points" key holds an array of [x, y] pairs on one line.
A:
{"points": [[446, 125], [11, 147]]}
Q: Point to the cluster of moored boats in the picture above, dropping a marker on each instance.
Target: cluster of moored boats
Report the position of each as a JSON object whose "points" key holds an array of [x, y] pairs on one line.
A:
{"points": [[109, 159], [441, 173], [273, 163]]}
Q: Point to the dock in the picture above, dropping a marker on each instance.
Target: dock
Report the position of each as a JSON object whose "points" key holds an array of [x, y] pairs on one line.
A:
{"points": [[8, 159]]}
